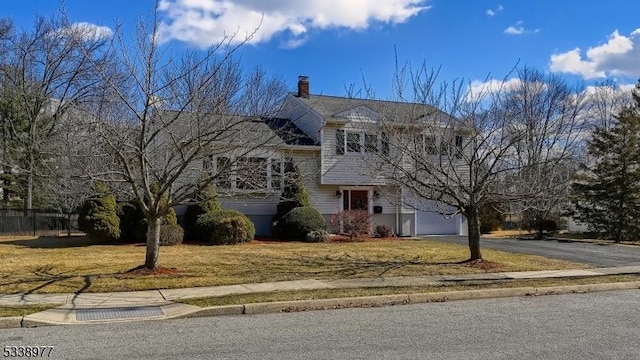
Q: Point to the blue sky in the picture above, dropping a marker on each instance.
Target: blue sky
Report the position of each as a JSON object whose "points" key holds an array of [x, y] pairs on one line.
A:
{"points": [[336, 42]]}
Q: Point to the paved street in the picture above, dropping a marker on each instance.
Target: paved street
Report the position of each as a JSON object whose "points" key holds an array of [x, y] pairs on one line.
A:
{"points": [[577, 326], [595, 254]]}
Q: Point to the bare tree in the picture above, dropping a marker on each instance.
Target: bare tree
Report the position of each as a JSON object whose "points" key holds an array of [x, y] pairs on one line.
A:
{"points": [[464, 148], [606, 100], [44, 71], [548, 118], [165, 118]]}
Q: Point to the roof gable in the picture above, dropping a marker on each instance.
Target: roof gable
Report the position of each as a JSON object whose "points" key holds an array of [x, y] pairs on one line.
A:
{"points": [[360, 113]]}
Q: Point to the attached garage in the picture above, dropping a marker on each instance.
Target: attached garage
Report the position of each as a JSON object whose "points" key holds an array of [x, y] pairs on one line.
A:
{"points": [[432, 223]]}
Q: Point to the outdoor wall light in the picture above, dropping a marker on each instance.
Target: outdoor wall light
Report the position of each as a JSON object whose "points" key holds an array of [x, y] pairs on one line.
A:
{"points": [[376, 194], [338, 193]]}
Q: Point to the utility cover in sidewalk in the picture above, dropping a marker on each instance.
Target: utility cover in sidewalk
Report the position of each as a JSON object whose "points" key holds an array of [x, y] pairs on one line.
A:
{"points": [[118, 313]]}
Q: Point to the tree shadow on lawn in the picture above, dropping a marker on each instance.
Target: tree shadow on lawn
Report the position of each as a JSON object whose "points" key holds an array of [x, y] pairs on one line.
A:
{"points": [[342, 266], [61, 242], [45, 276]]}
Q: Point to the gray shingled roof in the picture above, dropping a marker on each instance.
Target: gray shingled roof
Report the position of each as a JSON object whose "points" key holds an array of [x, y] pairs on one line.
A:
{"points": [[401, 112], [242, 129], [289, 132], [231, 129]]}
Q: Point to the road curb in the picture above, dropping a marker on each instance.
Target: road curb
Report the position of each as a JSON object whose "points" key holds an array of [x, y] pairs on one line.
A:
{"points": [[323, 304], [359, 302], [10, 322], [215, 311], [404, 299]]}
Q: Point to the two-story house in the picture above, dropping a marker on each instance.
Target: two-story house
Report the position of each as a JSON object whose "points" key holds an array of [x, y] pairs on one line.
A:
{"points": [[333, 139]]}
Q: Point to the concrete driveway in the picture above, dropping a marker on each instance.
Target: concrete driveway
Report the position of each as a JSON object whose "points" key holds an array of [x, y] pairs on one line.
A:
{"points": [[604, 255]]}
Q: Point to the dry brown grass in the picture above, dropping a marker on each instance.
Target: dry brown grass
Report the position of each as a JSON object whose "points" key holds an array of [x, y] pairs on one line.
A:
{"points": [[358, 292], [6, 311], [76, 264]]}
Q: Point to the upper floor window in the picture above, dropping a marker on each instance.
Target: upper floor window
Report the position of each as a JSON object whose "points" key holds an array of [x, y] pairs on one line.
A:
{"points": [[429, 145], [370, 143], [353, 142], [359, 142]]}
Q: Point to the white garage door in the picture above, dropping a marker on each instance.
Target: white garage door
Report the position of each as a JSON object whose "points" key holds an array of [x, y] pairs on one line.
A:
{"points": [[430, 223]]}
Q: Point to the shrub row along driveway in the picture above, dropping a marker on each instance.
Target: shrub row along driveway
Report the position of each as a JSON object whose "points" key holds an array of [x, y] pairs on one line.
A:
{"points": [[603, 255]]}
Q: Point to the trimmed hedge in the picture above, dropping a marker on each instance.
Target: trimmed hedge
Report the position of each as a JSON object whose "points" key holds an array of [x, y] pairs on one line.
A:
{"points": [[133, 226], [318, 236], [98, 217], [210, 203], [383, 231], [225, 227], [299, 222], [171, 234], [294, 194]]}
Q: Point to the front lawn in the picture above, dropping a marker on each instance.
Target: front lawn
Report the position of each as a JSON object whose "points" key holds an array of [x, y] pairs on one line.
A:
{"points": [[76, 264]]}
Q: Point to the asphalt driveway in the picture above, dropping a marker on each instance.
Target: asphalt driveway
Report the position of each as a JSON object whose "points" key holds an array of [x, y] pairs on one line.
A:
{"points": [[602, 255]]}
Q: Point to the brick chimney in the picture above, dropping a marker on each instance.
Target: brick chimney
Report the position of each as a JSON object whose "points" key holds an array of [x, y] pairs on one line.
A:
{"points": [[303, 86]]}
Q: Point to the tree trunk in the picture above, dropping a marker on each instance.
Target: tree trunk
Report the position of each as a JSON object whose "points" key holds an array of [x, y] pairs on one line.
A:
{"points": [[473, 223], [153, 244]]}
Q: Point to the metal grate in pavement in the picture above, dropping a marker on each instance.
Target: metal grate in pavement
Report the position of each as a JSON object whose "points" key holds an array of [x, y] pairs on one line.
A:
{"points": [[118, 313]]}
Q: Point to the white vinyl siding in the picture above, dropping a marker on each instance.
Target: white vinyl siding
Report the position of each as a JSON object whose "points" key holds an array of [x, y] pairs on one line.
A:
{"points": [[350, 168]]}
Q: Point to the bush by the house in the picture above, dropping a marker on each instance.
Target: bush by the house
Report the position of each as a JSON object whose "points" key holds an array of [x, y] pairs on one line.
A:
{"points": [[133, 226], [353, 223], [171, 234], [98, 216], [383, 231], [294, 195], [318, 236], [225, 227], [209, 203], [299, 222]]}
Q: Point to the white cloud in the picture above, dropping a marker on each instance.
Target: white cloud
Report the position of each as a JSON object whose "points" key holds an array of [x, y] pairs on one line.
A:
{"points": [[481, 89], [514, 30], [618, 56], [206, 22], [494, 12], [88, 31], [519, 29]]}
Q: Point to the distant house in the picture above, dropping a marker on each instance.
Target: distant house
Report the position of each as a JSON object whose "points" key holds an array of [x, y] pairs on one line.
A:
{"points": [[329, 139]]}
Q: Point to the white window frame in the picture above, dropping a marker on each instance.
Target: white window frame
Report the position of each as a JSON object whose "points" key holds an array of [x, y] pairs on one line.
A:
{"points": [[362, 142], [233, 172]]}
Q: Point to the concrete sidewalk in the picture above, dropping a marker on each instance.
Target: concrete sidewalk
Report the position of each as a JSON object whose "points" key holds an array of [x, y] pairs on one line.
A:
{"points": [[158, 304]]}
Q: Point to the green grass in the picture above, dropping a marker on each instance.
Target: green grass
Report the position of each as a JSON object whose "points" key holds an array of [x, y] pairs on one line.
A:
{"points": [[77, 264], [358, 292]]}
